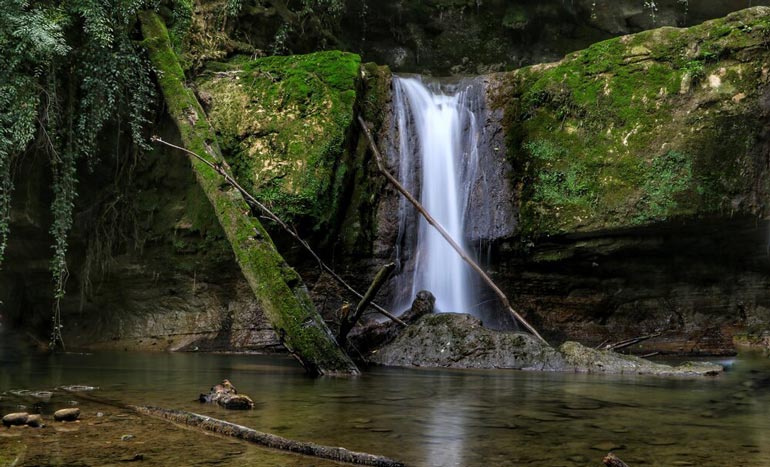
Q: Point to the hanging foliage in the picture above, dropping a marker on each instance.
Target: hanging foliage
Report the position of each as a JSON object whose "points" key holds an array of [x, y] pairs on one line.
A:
{"points": [[70, 68]]}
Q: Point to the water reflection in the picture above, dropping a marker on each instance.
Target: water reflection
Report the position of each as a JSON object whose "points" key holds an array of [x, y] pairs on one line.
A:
{"points": [[445, 418]]}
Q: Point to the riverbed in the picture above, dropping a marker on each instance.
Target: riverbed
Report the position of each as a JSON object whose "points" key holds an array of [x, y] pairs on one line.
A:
{"points": [[424, 417]]}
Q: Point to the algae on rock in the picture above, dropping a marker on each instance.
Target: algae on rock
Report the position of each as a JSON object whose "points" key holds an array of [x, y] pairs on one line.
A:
{"points": [[278, 288], [284, 123], [643, 128]]}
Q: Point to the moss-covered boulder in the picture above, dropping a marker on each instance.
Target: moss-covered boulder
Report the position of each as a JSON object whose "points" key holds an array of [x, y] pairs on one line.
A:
{"points": [[284, 125], [644, 128]]}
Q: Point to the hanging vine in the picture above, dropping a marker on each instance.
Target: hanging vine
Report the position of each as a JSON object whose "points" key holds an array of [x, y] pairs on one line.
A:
{"points": [[71, 68]]}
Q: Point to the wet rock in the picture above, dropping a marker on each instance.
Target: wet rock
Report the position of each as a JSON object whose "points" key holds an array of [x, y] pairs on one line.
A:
{"points": [[374, 335], [580, 358], [67, 415], [35, 421], [15, 419], [422, 305], [460, 341]]}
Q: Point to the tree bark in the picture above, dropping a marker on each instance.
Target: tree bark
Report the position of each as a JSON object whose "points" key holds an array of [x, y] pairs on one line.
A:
{"points": [[444, 233], [266, 439], [278, 288]]}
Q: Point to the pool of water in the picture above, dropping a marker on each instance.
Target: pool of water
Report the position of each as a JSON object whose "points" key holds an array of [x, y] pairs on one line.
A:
{"points": [[421, 417]]}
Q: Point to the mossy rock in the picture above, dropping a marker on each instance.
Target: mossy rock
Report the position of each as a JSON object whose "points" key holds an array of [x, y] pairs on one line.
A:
{"points": [[645, 128], [284, 125]]}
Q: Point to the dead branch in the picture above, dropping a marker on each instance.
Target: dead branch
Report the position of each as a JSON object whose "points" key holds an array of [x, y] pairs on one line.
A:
{"points": [[222, 427], [629, 342], [270, 215], [444, 233], [348, 323]]}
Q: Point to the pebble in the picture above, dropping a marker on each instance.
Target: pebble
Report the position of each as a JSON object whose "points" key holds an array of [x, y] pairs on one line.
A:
{"points": [[66, 415], [35, 421], [15, 419]]}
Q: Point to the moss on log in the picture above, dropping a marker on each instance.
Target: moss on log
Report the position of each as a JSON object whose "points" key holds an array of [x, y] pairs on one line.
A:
{"points": [[278, 288]]}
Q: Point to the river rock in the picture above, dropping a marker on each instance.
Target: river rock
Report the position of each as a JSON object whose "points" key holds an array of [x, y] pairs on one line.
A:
{"points": [[35, 421], [460, 341], [67, 415], [15, 419]]}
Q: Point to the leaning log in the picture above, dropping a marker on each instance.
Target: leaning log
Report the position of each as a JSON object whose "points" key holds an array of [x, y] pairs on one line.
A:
{"points": [[379, 280], [278, 288], [266, 439]]}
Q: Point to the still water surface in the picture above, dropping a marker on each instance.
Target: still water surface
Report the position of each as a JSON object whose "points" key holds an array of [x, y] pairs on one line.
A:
{"points": [[422, 417]]}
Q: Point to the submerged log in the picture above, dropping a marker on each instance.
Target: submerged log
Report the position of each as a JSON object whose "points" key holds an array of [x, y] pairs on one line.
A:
{"points": [[282, 296], [266, 439]]}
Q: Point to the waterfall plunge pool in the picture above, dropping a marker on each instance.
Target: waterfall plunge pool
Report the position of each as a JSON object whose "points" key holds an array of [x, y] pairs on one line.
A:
{"points": [[421, 417]]}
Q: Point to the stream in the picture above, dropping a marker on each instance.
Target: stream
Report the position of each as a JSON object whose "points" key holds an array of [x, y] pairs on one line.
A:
{"points": [[426, 417]]}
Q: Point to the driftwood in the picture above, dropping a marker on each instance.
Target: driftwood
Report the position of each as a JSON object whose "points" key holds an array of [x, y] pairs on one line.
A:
{"points": [[629, 342], [273, 217], [443, 232], [266, 439], [611, 460], [348, 322]]}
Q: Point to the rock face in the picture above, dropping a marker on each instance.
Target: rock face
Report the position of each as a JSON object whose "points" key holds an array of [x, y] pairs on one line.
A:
{"points": [[640, 129], [641, 173], [283, 123], [440, 37], [460, 341], [153, 272]]}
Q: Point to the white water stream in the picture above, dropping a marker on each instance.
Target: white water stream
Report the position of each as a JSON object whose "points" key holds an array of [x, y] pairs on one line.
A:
{"points": [[438, 156]]}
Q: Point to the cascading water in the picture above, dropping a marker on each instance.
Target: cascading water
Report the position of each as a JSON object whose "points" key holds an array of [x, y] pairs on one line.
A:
{"points": [[437, 157]]}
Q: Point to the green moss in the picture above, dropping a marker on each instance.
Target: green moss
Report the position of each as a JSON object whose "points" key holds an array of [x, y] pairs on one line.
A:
{"points": [[638, 129], [282, 296], [284, 124]]}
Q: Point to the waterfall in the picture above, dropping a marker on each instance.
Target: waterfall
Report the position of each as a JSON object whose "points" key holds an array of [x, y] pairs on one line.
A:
{"points": [[437, 156]]}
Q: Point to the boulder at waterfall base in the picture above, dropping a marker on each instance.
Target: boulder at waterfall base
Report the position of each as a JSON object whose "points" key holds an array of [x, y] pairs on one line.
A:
{"points": [[453, 340]]}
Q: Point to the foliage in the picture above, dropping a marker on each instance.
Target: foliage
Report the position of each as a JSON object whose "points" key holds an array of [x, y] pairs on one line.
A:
{"points": [[71, 71]]}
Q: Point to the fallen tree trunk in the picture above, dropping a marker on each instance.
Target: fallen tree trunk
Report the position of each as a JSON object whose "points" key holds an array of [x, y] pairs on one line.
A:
{"points": [[266, 439], [444, 233], [271, 215], [281, 294]]}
